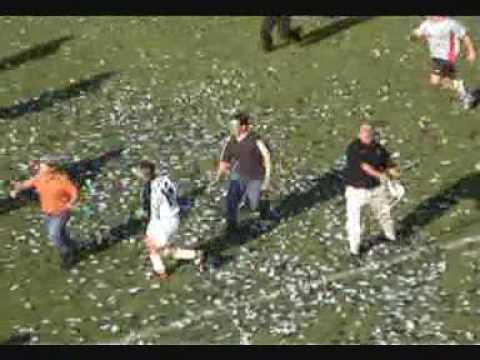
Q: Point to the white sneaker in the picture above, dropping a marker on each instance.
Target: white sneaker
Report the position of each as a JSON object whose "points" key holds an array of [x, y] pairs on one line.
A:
{"points": [[467, 101], [354, 252], [460, 86]]}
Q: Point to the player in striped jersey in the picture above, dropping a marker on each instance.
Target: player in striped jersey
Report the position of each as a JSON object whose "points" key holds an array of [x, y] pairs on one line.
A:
{"points": [[444, 36], [163, 225]]}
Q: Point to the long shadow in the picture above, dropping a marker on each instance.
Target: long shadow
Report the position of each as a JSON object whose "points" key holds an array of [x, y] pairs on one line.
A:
{"points": [[438, 205], [111, 237], [325, 188], [9, 204], [332, 29], [50, 98], [476, 95], [33, 53], [135, 227], [88, 169], [17, 339], [78, 171]]}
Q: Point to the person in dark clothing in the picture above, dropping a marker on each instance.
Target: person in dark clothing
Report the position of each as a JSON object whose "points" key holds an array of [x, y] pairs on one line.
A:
{"points": [[368, 172], [148, 174], [248, 160], [284, 28]]}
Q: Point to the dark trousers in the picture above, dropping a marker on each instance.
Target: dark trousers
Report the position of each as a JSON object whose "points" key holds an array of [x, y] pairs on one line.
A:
{"points": [[237, 190], [269, 23], [55, 225]]}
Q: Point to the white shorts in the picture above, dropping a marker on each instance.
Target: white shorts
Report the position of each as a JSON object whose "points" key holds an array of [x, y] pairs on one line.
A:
{"points": [[162, 231]]}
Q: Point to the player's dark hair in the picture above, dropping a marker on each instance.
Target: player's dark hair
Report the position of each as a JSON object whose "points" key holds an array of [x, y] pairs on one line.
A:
{"points": [[243, 118], [145, 164]]}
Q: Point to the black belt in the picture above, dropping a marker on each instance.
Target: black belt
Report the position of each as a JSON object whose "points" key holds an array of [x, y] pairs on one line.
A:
{"points": [[358, 186]]}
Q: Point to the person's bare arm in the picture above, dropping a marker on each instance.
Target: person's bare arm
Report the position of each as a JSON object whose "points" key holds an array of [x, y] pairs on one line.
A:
{"points": [[73, 192], [471, 54], [393, 171], [20, 186], [417, 35], [370, 170], [267, 161], [223, 168]]}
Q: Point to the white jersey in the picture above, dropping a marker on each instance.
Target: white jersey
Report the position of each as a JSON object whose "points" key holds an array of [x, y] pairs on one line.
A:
{"points": [[163, 199], [443, 37]]}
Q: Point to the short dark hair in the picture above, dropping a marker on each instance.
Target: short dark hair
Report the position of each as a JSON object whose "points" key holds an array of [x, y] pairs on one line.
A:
{"points": [[243, 118], [145, 164]]}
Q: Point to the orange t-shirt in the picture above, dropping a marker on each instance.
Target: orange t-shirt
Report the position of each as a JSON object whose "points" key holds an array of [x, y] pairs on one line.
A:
{"points": [[54, 189]]}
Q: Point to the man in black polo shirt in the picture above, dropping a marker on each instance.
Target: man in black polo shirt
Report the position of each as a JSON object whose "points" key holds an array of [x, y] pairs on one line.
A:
{"points": [[248, 160], [367, 173]]}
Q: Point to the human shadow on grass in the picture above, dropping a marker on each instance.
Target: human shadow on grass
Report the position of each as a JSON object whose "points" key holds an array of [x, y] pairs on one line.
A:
{"points": [[50, 98], [33, 53], [438, 205], [8, 204], [432, 209], [78, 172], [17, 339], [134, 227], [325, 188], [88, 169], [337, 26], [476, 96]]}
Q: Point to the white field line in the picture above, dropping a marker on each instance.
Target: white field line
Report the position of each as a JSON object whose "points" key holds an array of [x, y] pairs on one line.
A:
{"points": [[452, 245]]}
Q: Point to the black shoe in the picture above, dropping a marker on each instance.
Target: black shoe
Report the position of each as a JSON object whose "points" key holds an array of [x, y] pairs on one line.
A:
{"points": [[355, 259], [267, 43], [295, 35], [231, 227], [68, 261]]}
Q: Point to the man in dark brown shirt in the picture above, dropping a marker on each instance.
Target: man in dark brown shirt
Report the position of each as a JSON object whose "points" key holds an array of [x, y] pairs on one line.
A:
{"points": [[251, 160]]}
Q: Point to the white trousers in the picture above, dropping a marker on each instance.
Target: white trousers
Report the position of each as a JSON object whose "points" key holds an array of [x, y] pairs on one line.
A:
{"points": [[162, 231], [379, 201], [161, 235]]}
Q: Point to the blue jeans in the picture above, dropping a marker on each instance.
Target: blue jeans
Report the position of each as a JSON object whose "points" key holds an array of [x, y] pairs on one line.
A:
{"points": [[236, 191], [55, 225]]}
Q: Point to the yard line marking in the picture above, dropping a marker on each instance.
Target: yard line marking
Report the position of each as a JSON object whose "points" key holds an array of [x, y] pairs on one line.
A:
{"points": [[211, 313]]}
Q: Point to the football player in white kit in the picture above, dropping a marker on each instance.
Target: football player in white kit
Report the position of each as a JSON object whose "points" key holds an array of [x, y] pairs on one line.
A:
{"points": [[163, 225], [444, 36]]}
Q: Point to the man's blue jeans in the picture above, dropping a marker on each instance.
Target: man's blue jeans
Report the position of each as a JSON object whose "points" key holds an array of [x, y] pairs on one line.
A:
{"points": [[55, 226], [236, 191]]}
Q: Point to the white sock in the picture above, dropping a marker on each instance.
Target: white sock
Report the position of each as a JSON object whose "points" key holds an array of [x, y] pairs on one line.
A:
{"points": [[460, 87], [157, 263], [184, 254]]}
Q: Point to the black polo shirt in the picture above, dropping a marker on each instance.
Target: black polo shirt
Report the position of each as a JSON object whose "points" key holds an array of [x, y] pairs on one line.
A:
{"points": [[248, 156], [374, 155]]}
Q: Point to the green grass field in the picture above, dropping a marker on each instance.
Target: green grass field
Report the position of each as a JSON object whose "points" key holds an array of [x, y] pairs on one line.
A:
{"points": [[164, 88]]}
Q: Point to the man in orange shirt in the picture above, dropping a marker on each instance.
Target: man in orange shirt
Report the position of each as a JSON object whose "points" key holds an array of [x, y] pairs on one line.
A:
{"points": [[57, 196]]}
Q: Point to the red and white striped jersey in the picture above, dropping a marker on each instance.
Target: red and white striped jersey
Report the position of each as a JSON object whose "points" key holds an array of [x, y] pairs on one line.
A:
{"points": [[443, 36]]}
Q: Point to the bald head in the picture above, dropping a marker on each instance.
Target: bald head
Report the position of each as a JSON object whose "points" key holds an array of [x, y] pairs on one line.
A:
{"points": [[435, 18], [366, 134]]}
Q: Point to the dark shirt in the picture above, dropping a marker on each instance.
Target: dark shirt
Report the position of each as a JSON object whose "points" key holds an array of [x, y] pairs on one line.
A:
{"points": [[374, 155], [248, 155], [145, 197]]}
